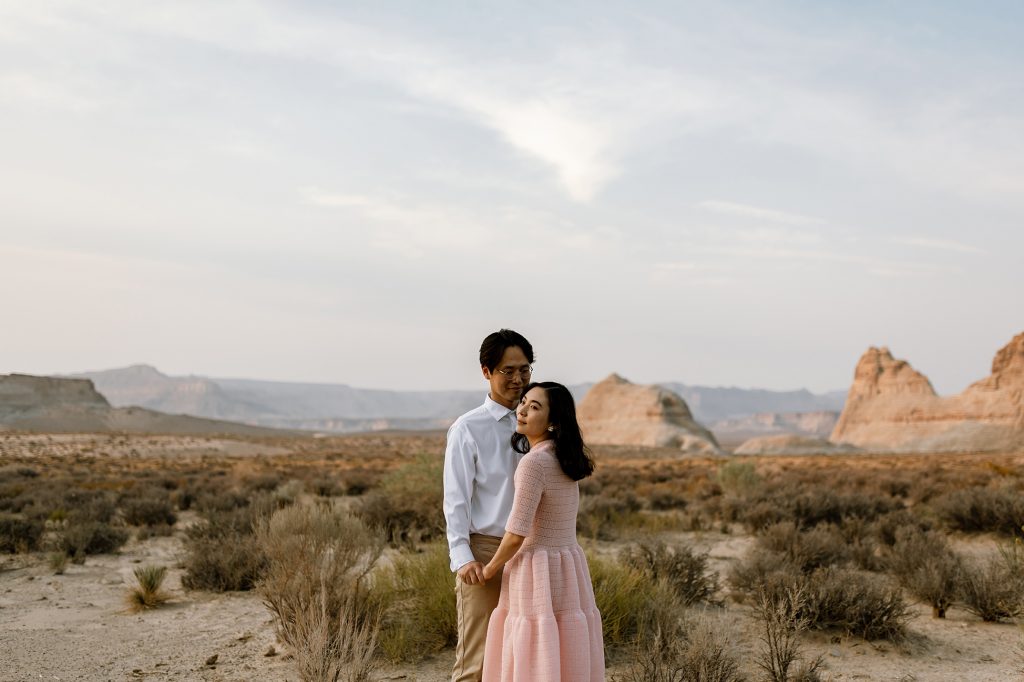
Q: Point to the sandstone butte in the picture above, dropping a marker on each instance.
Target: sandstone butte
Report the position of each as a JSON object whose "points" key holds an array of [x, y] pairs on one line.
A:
{"points": [[893, 407], [617, 412]]}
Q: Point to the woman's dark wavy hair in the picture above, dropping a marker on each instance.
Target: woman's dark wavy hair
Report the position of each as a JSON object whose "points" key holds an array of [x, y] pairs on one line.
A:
{"points": [[572, 453]]}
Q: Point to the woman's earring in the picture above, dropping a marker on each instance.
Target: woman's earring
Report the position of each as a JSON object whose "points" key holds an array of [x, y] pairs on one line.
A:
{"points": [[551, 428]]}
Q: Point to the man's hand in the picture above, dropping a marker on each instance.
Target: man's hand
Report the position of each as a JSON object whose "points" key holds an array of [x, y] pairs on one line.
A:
{"points": [[472, 573]]}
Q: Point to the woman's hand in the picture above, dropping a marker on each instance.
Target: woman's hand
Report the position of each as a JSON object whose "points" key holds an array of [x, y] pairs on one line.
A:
{"points": [[489, 572]]}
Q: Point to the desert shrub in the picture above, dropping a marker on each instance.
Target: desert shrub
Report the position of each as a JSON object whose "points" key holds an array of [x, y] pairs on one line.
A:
{"points": [[150, 507], [858, 603], [317, 562], [663, 496], [222, 500], [18, 534], [632, 605], [158, 531], [698, 651], [927, 567], [334, 648], [978, 509], [221, 554], [265, 482], [601, 517], [991, 590], [57, 561], [148, 593], [738, 478], [684, 570], [82, 538], [358, 481], [408, 505], [808, 507], [760, 568], [816, 547], [416, 594], [783, 617], [72, 503], [887, 526], [17, 471]]}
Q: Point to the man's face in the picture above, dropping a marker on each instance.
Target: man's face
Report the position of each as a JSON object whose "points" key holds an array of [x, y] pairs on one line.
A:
{"points": [[509, 378]]}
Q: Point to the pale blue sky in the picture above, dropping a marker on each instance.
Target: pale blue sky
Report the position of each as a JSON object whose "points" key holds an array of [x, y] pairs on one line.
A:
{"points": [[742, 194]]}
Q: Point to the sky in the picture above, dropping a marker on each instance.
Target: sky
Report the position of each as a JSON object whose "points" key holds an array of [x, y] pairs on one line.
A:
{"points": [[723, 194]]}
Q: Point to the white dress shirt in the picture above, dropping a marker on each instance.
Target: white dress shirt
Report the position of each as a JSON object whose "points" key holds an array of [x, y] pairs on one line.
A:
{"points": [[479, 467]]}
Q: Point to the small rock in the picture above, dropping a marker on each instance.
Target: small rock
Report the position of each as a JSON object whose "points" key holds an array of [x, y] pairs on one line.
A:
{"points": [[271, 651], [212, 660]]}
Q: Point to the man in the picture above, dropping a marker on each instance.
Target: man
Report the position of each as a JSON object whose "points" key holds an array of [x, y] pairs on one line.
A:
{"points": [[479, 464]]}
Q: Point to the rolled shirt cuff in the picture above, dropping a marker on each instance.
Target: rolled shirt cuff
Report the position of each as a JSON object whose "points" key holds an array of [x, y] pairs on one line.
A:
{"points": [[460, 556]]}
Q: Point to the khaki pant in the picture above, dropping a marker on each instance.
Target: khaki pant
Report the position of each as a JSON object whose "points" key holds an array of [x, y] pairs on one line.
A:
{"points": [[474, 604]]}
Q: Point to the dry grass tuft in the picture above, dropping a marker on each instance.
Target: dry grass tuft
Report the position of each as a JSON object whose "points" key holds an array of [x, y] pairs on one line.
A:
{"points": [[149, 593]]}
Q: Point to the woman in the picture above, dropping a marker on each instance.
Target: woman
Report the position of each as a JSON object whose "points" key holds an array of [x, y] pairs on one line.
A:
{"points": [[546, 627]]}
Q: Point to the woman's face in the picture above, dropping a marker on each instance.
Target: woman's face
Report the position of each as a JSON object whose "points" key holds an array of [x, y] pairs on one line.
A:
{"points": [[532, 415]]}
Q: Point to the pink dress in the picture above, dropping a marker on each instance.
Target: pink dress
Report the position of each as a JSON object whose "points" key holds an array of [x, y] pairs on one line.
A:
{"points": [[546, 627]]}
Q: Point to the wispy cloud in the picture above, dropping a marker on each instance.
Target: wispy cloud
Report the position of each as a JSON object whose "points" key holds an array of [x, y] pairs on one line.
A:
{"points": [[758, 213], [940, 244]]}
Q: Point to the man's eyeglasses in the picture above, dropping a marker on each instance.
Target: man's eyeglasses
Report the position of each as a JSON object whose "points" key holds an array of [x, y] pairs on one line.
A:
{"points": [[523, 372]]}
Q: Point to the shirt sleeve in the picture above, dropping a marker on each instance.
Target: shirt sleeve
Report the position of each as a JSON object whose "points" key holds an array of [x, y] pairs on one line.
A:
{"points": [[459, 474], [529, 489]]}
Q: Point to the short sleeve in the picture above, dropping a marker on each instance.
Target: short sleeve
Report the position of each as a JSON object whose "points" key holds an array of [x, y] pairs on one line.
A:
{"points": [[529, 489]]}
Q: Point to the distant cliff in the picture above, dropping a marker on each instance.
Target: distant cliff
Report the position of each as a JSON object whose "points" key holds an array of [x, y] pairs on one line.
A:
{"points": [[340, 408], [892, 406], [56, 405]]}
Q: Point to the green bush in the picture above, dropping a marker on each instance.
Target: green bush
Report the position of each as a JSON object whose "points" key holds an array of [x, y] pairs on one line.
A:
{"points": [[632, 605], [738, 478], [416, 594]]}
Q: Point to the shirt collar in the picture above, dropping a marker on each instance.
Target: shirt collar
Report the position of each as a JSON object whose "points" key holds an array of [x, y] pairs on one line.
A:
{"points": [[496, 410]]}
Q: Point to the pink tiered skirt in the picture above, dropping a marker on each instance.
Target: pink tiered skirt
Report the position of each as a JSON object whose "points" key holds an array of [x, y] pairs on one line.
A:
{"points": [[546, 627]]}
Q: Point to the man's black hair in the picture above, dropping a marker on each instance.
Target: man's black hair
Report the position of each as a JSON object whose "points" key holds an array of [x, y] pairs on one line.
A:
{"points": [[495, 345]]}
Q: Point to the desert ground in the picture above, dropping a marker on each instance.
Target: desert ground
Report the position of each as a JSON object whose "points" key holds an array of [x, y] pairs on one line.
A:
{"points": [[73, 623]]}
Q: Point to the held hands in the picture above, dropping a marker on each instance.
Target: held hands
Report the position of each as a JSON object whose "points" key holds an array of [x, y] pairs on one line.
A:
{"points": [[472, 573], [489, 572]]}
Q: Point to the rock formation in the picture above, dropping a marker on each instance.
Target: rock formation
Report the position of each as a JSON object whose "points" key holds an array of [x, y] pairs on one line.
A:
{"points": [[617, 412], [791, 444], [57, 405], [892, 407]]}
